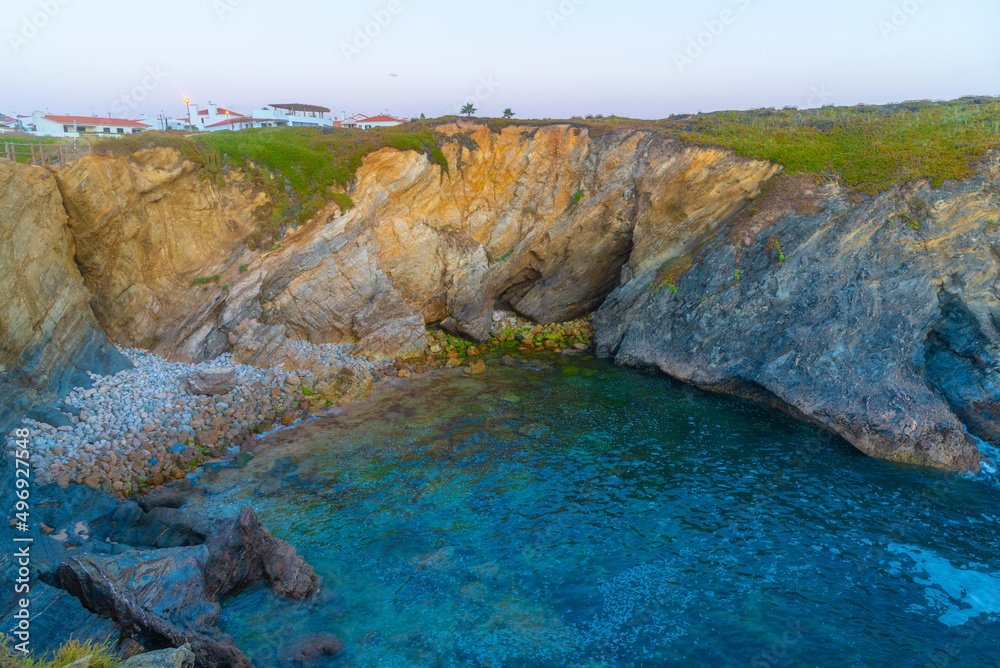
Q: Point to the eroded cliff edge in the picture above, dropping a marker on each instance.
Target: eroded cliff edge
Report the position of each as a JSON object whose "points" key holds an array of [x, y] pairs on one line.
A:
{"points": [[49, 338], [874, 318]]}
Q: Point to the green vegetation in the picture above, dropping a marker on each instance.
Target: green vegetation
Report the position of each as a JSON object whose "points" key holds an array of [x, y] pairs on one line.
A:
{"points": [[343, 201], [502, 257], [469, 109], [205, 279], [508, 113], [579, 196], [670, 272], [243, 267], [775, 246], [297, 167], [311, 160], [869, 148], [102, 655], [194, 151]]}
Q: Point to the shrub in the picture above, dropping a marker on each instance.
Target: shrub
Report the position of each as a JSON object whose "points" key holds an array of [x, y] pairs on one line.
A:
{"points": [[343, 201], [205, 279], [102, 655]]}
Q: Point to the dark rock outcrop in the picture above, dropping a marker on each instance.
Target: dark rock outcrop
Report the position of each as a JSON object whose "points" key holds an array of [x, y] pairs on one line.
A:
{"points": [[111, 570], [877, 320], [161, 497], [169, 596]]}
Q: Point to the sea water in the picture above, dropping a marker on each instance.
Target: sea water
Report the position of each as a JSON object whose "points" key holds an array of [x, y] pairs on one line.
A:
{"points": [[580, 514]]}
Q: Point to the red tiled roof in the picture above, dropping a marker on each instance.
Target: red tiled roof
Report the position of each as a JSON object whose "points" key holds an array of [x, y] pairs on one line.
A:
{"points": [[377, 119], [95, 120]]}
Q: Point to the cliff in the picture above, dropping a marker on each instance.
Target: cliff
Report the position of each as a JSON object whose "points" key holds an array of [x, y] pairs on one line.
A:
{"points": [[876, 320], [873, 317], [49, 338], [538, 219]]}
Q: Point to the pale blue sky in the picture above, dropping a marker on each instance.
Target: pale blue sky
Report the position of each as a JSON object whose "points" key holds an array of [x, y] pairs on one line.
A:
{"points": [[547, 58]]}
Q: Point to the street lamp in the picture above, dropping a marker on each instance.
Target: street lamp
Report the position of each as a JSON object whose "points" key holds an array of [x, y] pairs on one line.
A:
{"points": [[187, 101]]}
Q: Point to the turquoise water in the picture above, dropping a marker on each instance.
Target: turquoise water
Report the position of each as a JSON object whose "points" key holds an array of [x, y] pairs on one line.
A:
{"points": [[587, 515]]}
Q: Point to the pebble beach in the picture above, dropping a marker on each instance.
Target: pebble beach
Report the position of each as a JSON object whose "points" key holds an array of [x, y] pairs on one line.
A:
{"points": [[145, 426]]}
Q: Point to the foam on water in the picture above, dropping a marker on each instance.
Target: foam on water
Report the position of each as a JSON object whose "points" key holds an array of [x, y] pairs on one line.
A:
{"points": [[958, 593]]}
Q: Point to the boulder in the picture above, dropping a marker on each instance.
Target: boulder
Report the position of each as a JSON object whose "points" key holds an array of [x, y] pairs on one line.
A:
{"points": [[161, 497], [211, 381], [181, 657], [49, 414]]}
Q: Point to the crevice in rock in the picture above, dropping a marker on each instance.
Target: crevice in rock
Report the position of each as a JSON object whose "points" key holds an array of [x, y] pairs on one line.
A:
{"points": [[960, 364]]}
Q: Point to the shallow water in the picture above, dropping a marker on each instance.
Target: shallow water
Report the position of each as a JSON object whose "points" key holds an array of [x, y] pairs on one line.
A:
{"points": [[594, 516]]}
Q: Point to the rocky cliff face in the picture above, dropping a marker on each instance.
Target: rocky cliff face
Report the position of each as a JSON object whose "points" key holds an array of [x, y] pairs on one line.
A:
{"points": [[877, 320], [538, 219], [49, 338]]}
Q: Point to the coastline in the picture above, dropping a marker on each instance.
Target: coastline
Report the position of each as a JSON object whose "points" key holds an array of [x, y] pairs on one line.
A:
{"points": [[147, 426]]}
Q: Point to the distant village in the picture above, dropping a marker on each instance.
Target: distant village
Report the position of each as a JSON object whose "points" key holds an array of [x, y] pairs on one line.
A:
{"points": [[212, 118]]}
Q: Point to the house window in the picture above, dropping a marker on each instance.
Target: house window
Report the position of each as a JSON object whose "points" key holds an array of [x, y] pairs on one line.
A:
{"points": [[67, 128], [121, 131], [107, 129], [136, 131]]}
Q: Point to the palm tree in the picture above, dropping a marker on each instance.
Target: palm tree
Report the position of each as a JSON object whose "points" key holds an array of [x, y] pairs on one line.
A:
{"points": [[469, 109], [507, 113]]}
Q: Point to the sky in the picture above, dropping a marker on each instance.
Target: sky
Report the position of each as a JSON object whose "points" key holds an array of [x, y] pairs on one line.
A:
{"points": [[541, 58]]}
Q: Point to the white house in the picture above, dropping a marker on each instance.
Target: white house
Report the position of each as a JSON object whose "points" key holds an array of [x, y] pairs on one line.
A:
{"points": [[210, 119], [48, 125], [368, 122], [216, 118], [296, 115], [9, 123]]}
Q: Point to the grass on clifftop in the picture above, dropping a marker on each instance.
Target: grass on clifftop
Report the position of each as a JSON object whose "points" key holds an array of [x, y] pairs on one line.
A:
{"points": [[311, 158], [299, 167], [868, 148]]}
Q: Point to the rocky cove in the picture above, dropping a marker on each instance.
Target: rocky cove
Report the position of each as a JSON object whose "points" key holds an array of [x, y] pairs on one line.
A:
{"points": [[143, 337]]}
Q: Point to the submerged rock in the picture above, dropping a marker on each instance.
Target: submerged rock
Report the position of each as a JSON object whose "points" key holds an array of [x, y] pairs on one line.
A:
{"points": [[310, 650]]}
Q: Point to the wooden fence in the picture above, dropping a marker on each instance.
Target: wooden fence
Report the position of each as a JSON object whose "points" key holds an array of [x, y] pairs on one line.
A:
{"points": [[44, 155]]}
